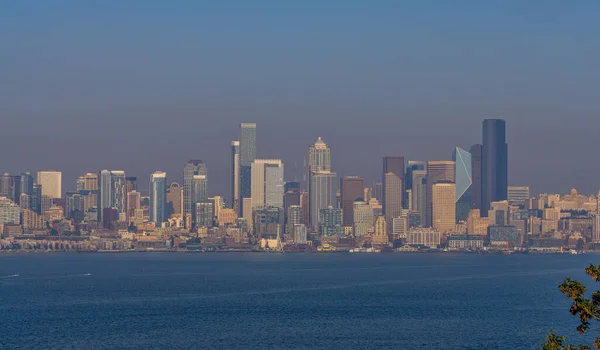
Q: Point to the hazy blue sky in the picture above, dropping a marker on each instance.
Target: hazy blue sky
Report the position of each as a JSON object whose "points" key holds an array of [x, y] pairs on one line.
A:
{"points": [[147, 85]]}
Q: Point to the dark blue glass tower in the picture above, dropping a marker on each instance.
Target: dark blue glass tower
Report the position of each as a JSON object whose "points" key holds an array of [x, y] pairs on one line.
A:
{"points": [[494, 163]]}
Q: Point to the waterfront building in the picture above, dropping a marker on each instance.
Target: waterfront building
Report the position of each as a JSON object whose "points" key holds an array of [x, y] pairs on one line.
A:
{"points": [[381, 231], [423, 237]]}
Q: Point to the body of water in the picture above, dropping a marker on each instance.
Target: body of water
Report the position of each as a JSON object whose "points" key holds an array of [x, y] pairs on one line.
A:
{"points": [[253, 300]]}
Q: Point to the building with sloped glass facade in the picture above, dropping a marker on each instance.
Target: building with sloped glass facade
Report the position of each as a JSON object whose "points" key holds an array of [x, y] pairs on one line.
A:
{"points": [[464, 183]]}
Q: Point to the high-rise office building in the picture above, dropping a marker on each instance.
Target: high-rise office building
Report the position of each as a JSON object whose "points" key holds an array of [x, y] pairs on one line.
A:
{"points": [[464, 183], [393, 165], [6, 185], [130, 184], [267, 183], [112, 192], [319, 157], [363, 218], [90, 182], [330, 222], [476, 152], [323, 189], [199, 192], [377, 191], [411, 166], [247, 156], [437, 170], [133, 203], [174, 199], [192, 168], [419, 193], [234, 175], [158, 197], [444, 206], [51, 182], [518, 195], [204, 214], [392, 193], [494, 162], [294, 216], [22, 184], [352, 188]]}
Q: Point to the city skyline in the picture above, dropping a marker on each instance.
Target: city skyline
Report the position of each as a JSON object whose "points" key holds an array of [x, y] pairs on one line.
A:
{"points": [[298, 172]]}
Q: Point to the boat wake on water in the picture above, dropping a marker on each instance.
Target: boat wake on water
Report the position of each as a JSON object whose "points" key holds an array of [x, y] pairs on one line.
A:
{"points": [[9, 276]]}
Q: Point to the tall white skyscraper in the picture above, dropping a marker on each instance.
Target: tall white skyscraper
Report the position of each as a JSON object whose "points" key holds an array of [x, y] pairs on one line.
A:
{"points": [[51, 182], [267, 183]]}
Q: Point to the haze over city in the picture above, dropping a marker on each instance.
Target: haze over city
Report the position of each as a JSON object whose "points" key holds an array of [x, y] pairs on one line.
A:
{"points": [[145, 87]]}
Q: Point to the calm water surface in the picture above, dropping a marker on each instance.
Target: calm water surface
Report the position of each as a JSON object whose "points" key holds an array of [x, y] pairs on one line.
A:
{"points": [[231, 300]]}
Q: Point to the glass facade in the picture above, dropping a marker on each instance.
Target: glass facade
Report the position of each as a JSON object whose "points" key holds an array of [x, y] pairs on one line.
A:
{"points": [[464, 182], [494, 163], [158, 197], [192, 168]]}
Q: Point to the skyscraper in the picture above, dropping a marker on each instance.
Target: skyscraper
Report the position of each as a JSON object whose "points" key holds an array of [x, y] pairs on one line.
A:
{"points": [[112, 192], [494, 162], [319, 157], [476, 151], [464, 182], [192, 168], [437, 170], [267, 183], [408, 185], [158, 197], [51, 182], [352, 188], [90, 182], [444, 206], [393, 165], [22, 184], [323, 188], [419, 193], [199, 190], [247, 156], [392, 193], [174, 199], [234, 174]]}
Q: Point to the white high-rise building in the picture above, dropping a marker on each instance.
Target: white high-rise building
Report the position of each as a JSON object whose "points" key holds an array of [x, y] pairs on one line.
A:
{"points": [[267, 183], [51, 182], [364, 219]]}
